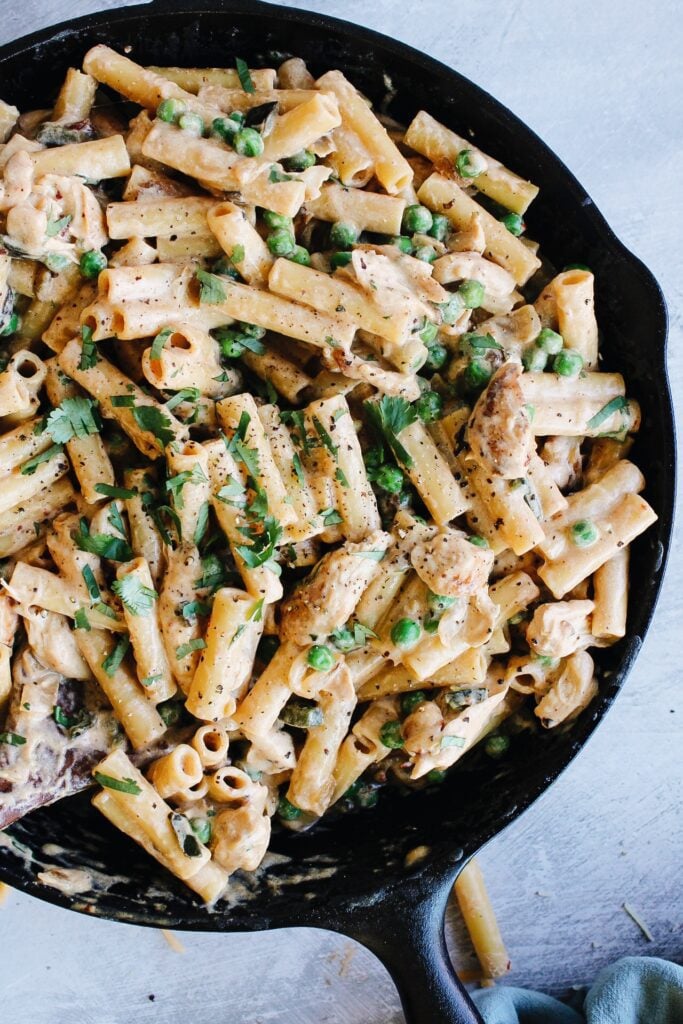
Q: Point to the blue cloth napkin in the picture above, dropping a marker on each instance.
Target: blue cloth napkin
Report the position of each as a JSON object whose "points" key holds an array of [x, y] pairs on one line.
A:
{"points": [[635, 990]]}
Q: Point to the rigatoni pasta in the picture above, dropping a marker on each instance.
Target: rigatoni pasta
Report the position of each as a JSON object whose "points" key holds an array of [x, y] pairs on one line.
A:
{"points": [[297, 485]]}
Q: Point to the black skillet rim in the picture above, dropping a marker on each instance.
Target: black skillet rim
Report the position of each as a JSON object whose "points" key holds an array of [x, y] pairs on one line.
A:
{"points": [[445, 857]]}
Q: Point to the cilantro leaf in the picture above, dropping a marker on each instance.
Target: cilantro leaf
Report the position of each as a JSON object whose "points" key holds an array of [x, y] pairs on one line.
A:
{"points": [[175, 484], [389, 416], [13, 738], [211, 288], [135, 596], [151, 419], [617, 404], [158, 344], [187, 840], [192, 609], [55, 227], [90, 582], [89, 355], [102, 544], [244, 75], [110, 491], [202, 522], [264, 537], [330, 516], [74, 417], [29, 468], [184, 395], [122, 785], [113, 661], [192, 645]]}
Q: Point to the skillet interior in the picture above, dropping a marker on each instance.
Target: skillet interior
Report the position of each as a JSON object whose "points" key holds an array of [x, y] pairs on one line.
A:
{"points": [[353, 860]]}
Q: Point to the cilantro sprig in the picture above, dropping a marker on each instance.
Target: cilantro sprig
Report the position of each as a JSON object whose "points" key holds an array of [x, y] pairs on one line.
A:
{"points": [[389, 416]]}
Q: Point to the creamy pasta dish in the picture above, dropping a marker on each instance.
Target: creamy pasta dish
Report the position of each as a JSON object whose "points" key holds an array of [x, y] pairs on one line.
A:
{"points": [[311, 477]]}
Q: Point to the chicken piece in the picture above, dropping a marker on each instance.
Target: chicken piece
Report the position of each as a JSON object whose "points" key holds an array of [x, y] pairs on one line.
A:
{"points": [[499, 430], [560, 628], [52, 640], [327, 598], [450, 565], [562, 457], [241, 833], [9, 620], [574, 689]]}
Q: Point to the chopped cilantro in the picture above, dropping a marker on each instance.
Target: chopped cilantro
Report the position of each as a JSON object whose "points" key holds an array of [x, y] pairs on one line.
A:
{"points": [[89, 355], [192, 645], [152, 419], [389, 416], [121, 785], [244, 74], [113, 661], [29, 468], [211, 288], [135, 596]]}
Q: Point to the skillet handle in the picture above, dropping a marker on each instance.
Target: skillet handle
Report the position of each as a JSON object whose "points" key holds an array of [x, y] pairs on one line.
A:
{"points": [[406, 932]]}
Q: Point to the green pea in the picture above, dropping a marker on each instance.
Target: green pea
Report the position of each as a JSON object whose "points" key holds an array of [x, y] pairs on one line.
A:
{"points": [[479, 542], [497, 745], [514, 223], [390, 479], [568, 363], [340, 259], [92, 263], [278, 220], [584, 533], [550, 341], [390, 735], [429, 332], [231, 346], [435, 775], [431, 625], [477, 373], [439, 602], [170, 110], [343, 235], [191, 123], [469, 163], [12, 325], [451, 310], [417, 219], [409, 701], [577, 266], [436, 356], [472, 294], [248, 142], [281, 242], [320, 657], [405, 633], [429, 406], [267, 648], [534, 359], [300, 255], [301, 161], [226, 128], [426, 253], [440, 227], [288, 811], [403, 243]]}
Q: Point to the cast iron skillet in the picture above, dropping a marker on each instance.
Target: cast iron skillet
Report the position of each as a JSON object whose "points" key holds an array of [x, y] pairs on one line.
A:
{"points": [[351, 875]]}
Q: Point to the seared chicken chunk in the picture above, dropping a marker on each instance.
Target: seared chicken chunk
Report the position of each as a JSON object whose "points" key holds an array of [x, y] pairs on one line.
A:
{"points": [[450, 565], [499, 430], [560, 628], [327, 598]]}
